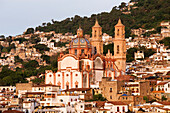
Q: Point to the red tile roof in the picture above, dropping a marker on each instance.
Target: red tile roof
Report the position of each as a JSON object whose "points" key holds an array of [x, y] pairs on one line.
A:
{"points": [[117, 102], [158, 91], [165, 103], [77, 89], [12, 111], [45, 85], [125, 78], [100, 103], [34, 93], [162, 83]]}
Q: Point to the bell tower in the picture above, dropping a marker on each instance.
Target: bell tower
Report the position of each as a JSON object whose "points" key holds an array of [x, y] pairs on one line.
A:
{"points": [[79, 32], [120, 46], [96, 41]]}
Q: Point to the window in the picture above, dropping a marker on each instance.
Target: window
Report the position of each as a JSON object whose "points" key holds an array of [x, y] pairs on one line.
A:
{"points": [[117, 109], [118, 32], [81, 106], [76, 75], [110, 89], [123, 109], [117, 49], [95, 33], [110, 97], [76, 86], [75, 51], [58, 75], [67, 75], [95, 50], [50, 75], [67, 86], [61, 100], [82, 51]]}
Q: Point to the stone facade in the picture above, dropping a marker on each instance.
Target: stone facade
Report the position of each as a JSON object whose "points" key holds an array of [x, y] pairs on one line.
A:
{"points": [[110, 89]]}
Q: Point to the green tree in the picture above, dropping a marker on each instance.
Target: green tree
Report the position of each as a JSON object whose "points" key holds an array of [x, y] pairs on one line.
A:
{"points": [[41, 48], [164, 98], [29, 31], [98, 97], [46, 58], [31, 64], [17, 59], [108, 47], [166, 42], [146, 99]]}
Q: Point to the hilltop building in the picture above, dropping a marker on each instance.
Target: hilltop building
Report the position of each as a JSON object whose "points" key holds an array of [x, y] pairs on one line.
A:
{"points": [[85, 63]]}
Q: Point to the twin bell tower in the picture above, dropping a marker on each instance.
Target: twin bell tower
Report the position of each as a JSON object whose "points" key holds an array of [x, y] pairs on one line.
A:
{"points": [[119, 43]]}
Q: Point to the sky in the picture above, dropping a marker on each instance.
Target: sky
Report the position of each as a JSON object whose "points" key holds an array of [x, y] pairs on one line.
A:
{"points": [[18, 15]]}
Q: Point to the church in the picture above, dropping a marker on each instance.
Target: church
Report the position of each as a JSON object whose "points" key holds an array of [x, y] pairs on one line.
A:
{"points": [[85, 64]]}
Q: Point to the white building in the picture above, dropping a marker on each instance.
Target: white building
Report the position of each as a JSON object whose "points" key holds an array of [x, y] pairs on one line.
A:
{"points": [[163, 86]]}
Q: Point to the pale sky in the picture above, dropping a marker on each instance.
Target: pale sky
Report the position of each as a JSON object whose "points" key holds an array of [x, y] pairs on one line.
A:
{"points": [[18, 15]]}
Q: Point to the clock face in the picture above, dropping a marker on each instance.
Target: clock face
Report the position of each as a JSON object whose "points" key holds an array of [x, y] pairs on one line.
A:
{"points": [[75, 41], [82, 40]]}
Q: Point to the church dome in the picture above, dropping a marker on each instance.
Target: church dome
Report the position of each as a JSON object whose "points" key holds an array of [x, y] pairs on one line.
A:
{"points": [[80, 43]]}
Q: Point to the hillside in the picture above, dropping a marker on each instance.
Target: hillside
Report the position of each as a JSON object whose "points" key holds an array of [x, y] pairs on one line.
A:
{"points": [[148, 15]]}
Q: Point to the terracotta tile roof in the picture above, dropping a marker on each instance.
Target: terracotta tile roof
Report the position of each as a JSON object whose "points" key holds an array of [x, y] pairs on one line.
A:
{"points": [[12, 111], [125, 77], [45, 85], [117, 102], [158, 72], [158, 91], [27, 102], [162, 83], [77, 89], [164, 108], [165, 103], [34, 93], [132, 85], [100, 103], [104, 110]]}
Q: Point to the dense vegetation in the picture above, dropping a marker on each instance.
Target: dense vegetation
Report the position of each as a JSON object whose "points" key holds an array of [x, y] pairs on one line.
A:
{"points": [[148, 15], [108, 47], [166, 42], [31, 68], [131, 51], [97, 97]]}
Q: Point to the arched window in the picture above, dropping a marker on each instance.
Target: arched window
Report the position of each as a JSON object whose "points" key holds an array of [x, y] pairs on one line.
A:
{"points": [[58, 75], [95, 33], [117, 109], [123, 109], [76, 84], [50, 75], [95, 50], [118, 32], [75, 51], [117, 49], [67, 86], [82, 51]]}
